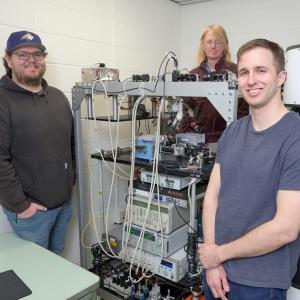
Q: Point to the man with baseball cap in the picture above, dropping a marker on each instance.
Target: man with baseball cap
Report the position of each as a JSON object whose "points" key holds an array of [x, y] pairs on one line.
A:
{"points": [[36, 146]]}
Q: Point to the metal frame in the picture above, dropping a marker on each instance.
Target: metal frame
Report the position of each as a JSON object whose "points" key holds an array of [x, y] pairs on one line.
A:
{"points": [[223, 95]]}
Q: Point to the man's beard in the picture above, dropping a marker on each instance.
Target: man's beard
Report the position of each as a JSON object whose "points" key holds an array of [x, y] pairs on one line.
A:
{"points": [[32, 81]]}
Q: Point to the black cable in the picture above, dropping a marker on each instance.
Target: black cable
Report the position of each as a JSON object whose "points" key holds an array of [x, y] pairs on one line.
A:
{"points": [[166, 169], [172, 198], [185, 222], [166, 56], [165, 281], [169, 164], [191, 249], [164, 79]]}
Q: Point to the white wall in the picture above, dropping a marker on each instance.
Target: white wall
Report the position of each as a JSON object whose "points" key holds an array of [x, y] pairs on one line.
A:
{"points": [[131, 35], [277, 20]]}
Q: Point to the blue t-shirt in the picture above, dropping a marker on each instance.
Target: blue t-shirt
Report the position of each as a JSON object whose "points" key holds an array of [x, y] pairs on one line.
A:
{"points": [[254, 165]]}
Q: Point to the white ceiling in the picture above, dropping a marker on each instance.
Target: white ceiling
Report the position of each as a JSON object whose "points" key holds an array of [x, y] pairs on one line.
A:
{"points": [[186, 2]]}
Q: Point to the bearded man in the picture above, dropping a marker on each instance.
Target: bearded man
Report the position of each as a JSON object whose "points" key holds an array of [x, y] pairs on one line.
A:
{"points": [[36, 146]]}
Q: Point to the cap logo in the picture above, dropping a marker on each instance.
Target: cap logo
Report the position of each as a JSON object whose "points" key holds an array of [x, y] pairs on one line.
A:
{"points": [[27, 37]]}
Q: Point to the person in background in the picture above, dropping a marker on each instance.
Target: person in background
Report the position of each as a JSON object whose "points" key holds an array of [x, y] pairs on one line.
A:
{"points": [[36, 146], [251, 210], [213, 55]]}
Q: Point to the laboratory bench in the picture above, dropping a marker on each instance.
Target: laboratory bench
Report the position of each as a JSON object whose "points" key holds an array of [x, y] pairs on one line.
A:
{"points": [[47, 275]]}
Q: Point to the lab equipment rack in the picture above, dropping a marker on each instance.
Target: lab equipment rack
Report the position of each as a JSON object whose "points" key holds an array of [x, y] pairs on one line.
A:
{"points": [[222, 94]]}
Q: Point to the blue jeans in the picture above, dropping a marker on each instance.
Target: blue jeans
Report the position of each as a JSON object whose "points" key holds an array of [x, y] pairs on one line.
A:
{"points": [[244, 292], [45, 228]]}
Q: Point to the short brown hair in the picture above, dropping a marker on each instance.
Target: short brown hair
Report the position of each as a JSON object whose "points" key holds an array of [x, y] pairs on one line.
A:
{"points": [[277, 51]]}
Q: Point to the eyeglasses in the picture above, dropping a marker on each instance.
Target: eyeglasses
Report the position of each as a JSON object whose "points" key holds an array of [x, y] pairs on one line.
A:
{"points": [[36, 56], [212, 42]]}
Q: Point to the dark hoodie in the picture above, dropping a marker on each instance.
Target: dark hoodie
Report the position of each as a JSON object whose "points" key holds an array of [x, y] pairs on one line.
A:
{"points": [[36, 146]]}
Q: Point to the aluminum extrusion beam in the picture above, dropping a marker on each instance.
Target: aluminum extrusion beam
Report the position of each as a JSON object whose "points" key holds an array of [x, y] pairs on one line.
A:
{"points": [[79, 170], [221, 94]]}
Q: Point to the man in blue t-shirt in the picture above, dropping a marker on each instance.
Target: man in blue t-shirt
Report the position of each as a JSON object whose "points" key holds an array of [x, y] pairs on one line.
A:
{"points": [[251, 212]]}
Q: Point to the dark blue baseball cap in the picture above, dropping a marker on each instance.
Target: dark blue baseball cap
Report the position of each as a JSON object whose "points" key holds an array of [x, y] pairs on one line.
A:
{"points": [[23, 38]]}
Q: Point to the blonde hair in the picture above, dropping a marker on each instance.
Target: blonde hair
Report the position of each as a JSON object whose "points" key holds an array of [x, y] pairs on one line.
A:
{"points": [[222, 35]]}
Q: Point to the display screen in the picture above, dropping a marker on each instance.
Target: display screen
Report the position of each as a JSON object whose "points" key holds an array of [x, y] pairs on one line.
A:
{"points": [[166, 264]]}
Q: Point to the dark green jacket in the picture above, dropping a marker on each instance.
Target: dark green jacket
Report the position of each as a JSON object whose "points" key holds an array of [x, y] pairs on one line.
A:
{"points": [[36, 146]]}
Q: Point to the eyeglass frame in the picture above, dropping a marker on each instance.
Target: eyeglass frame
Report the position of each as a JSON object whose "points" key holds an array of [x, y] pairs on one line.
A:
{"points": [[41, 55], [212, 42]]}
